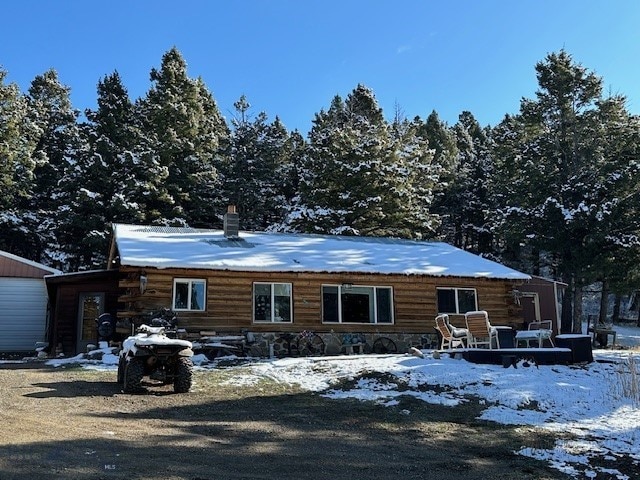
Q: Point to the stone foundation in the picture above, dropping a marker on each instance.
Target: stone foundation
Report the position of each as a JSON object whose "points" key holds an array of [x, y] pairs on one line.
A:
{"points": [[280, 344]]}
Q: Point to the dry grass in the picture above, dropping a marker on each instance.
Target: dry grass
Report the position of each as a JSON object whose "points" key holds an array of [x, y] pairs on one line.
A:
{"points": [[629, 380]]}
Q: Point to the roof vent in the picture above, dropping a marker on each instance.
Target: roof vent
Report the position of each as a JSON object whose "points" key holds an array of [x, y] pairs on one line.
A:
{"points": [[231, 223]]}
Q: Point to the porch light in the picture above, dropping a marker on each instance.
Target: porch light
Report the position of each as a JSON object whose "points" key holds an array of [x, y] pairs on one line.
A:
{"points": [[347, 286]]}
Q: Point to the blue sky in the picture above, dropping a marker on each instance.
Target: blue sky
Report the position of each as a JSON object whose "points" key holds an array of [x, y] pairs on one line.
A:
{"points": [[290, 57]]}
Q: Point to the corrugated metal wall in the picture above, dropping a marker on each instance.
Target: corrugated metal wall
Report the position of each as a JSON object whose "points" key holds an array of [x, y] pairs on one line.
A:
{"points": [[23, 310]]}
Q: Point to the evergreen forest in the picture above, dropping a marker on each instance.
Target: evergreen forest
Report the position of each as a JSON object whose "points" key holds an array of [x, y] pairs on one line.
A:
{"points": [[551, 190]]}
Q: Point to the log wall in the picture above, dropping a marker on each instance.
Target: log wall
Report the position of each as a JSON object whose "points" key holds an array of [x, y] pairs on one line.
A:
{"points": [[229, 299]]}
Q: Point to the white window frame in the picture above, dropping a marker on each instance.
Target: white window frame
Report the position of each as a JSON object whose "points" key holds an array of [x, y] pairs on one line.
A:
{"points": [[189, 282], [347, 287], [272, 313], [457, 300]]}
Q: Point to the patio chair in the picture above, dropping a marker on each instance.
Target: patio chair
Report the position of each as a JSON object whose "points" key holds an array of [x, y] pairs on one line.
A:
{"points": [[452, 337], [538, 331], [480, 330]]}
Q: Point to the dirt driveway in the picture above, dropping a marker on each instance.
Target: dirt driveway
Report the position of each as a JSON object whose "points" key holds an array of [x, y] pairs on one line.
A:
{"points": [[76, 424]]}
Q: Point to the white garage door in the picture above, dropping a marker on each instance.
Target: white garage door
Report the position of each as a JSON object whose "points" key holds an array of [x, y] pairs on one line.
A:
{"points": [[23, 310]]}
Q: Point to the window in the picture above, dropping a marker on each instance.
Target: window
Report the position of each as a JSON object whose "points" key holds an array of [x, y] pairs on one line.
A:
{"points": [[189, 294], [272, 302], [356, 304], [456, 300]]}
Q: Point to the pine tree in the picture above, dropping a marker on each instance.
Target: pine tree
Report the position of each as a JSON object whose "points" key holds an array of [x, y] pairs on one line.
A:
{"points": [[442, 140], [116, 179], [508, 191], [258, 173], [182, 121], [614, 242], [417, 179], [358, 177], [245, 170], [58, 142], [469, 198], [563, 179], [131, 177], [16, 167]]}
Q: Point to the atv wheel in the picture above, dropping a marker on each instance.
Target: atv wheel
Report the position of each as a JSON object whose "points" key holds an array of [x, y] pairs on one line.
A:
{"points": [[184, 373], [122, 364], [133, 373]]}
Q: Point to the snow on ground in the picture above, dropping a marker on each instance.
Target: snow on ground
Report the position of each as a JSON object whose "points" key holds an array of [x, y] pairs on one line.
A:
{"points": [[598, 404], [586, 401], [627, 336]]}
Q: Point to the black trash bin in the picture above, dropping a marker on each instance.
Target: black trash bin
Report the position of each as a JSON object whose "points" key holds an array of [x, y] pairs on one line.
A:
{"points": [[580, 346], [506, 337]]}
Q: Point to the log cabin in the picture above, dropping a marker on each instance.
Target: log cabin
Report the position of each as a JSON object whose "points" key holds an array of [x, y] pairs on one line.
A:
{"points": [[227, 281]]}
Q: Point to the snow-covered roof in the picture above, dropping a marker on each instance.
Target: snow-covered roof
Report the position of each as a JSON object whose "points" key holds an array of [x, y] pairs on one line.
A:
{"points": [[176, 247]]}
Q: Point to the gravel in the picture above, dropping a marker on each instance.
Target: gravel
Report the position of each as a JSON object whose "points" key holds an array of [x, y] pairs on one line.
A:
{"points": [[72, 423]]}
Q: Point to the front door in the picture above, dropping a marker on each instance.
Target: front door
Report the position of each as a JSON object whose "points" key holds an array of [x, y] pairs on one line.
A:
{"points": [[530, 307], [90, 307]]}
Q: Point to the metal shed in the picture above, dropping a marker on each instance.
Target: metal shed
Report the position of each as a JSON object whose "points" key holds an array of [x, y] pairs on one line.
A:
{"points": [[23, 302]]}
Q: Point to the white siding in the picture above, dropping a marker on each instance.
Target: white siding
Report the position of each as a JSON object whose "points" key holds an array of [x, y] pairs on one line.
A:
{"points": [[23, 310]]}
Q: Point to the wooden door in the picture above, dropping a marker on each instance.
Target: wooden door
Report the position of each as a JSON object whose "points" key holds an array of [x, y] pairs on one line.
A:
{"points": [[90, 307]]}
